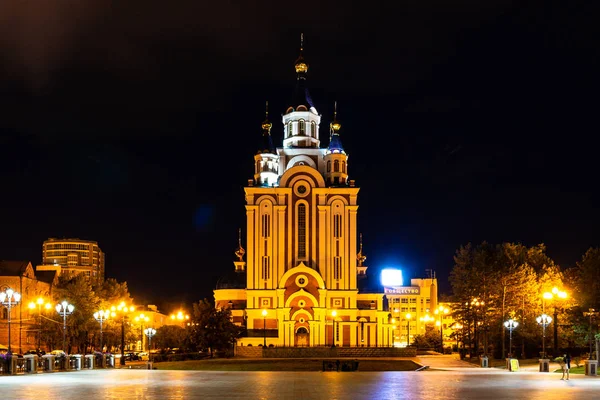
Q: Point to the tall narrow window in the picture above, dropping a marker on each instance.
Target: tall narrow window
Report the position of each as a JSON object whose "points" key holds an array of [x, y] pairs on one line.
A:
{"points": [[301, 127], [266, 225], [265, 267], [337, 226], [344, 167], [313, 129], [336, 166], [302, 231], [290, 132], [337, 268], [328, 166]]}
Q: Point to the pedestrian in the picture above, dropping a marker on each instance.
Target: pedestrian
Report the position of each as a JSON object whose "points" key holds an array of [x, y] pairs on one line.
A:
{"points": [[566, 366]]}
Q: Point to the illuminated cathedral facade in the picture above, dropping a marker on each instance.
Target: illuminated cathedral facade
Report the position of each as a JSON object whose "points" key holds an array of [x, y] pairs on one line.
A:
{"points": [[300, 282]]}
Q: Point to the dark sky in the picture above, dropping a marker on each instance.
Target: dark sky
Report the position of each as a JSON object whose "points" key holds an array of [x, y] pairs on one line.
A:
{"points": [[135, 125]]}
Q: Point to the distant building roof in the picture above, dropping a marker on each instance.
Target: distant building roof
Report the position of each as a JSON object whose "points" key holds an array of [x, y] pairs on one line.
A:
{"points": [[12, 267]]}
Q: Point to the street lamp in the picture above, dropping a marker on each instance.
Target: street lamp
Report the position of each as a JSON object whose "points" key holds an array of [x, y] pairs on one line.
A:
{"points": [[590, 313], [180, 316], [149, 332], [441, 310], [141, 319], [39, 303], [264, 314], [457, 326], [554, 294], [511, 324], [408, 316], [544, 320], [9, 299], [101, 316], [65, 309], [123, 310]]}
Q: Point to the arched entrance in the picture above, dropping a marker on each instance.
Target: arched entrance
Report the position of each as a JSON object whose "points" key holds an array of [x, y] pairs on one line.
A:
{"points": [[302, 337]]}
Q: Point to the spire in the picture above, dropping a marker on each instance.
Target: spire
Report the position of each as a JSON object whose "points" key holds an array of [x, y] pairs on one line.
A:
{"points": [[301, 100], [335, 143], [360, 256], [239, 252], [266, 145]]}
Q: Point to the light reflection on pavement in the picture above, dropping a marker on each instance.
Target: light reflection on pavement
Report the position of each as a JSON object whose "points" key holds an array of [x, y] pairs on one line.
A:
{"points": [[459, 383]]}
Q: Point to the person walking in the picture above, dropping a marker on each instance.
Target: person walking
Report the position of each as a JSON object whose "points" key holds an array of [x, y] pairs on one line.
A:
{"points": [[567, 366]]}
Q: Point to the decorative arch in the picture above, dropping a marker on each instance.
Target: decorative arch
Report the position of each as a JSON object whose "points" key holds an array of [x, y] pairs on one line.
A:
{"points": [[334, 199], [301, 159], [302, 268], [301, 312], [301, 293], [303, 171]]}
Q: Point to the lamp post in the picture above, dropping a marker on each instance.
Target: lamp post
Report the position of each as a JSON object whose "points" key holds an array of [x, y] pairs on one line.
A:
{"points": [[122, 309], [141, 319], [9, 299], [555, 294], [441, 310], [544, 320], [180, 316], [408, 316], [264, 314], [511, 324], [334, 314], [39, 303], [65, 309], [101, 316], [149, 332], [591, 313], [457, 326]]}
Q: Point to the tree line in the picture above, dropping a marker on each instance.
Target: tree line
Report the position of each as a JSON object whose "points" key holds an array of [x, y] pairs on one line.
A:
{"points": [[492, 283]]}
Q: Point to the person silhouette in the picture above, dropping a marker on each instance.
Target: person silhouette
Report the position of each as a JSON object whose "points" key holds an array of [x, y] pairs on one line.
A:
{"points": [[566, 366]]}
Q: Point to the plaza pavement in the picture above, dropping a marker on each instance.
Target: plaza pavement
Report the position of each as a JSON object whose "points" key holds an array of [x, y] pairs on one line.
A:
{"points": [[446, 378]]}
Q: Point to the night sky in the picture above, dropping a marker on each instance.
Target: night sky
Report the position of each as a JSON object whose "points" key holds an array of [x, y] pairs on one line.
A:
{"points": [[135, 125]]}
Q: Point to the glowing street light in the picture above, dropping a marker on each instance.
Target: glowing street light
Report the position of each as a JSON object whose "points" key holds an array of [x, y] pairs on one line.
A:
{"points": [[511, 324], [101, 316], [141, 319], [122, 309], [65, 309], [9, 299], [557, 294], [264, 314], [150, 332], [39, 303], [544, 320], [441, 311]]}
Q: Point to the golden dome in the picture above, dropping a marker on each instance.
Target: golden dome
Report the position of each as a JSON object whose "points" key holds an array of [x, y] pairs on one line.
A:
{"points": [[336, 126], [266, 125], [301, 66]]}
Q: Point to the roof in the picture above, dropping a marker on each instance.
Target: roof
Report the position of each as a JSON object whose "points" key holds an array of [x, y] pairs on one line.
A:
{"points": [[46, 276], [233, 280], [301, 97], [266, 144], [13, 268], [335, 144]]}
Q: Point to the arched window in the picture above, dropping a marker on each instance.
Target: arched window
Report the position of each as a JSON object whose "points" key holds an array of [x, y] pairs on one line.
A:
{"points": [[290, 131], [302, 231], [344, 167], [336, 166], [301, 127], [337, 226], [328, 166], [313, 129]]}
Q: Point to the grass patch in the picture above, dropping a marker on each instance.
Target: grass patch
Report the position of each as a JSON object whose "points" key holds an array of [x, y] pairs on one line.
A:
{"points": [[280, 365], [575, 370]]}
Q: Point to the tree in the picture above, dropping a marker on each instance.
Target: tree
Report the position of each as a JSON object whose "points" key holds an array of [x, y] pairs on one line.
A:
{"points": [[212, 329], [169, 337]]}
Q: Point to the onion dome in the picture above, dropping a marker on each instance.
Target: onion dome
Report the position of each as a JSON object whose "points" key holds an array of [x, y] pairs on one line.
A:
{"points": [[360, 256], [239, 252], [335, 143], [266, 145]]}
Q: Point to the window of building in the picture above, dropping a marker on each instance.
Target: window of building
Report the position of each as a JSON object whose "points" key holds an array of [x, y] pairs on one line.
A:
{"points": [[404, 300], [301, 127], [328, 166], [337, 226], [290, 131], [313, 129], [302, 231], [265, 267], [344, 167], [413, 309], [413, 301], [337, 268], [266, 225], [336, 166]]}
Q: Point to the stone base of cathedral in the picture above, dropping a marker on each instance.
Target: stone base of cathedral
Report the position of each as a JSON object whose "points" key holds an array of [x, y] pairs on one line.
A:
{"points": [[323, 352]]}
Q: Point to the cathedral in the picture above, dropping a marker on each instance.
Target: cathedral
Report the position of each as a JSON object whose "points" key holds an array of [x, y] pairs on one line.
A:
{"points": [[303, 279]]}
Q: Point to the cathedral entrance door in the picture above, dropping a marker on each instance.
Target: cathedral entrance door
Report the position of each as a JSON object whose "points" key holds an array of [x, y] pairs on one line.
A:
{"points": [[302, 337]]}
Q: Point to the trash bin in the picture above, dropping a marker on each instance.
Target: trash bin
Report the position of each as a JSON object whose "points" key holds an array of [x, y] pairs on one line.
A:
{"points": [[110, 360], [89, 361], [48, 362], [149, 364], [31, 363], [544, 365], [76, 362], [100, 360], [591, 367], [484, 362]]}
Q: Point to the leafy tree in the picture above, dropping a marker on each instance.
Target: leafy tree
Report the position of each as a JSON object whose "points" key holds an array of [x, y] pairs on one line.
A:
{"points": [[429, 340], [169, 337], [212, 329]]}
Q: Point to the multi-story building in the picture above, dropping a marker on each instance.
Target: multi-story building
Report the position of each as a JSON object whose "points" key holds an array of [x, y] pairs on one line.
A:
{"points": [[73, 256], [302, 283]]}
